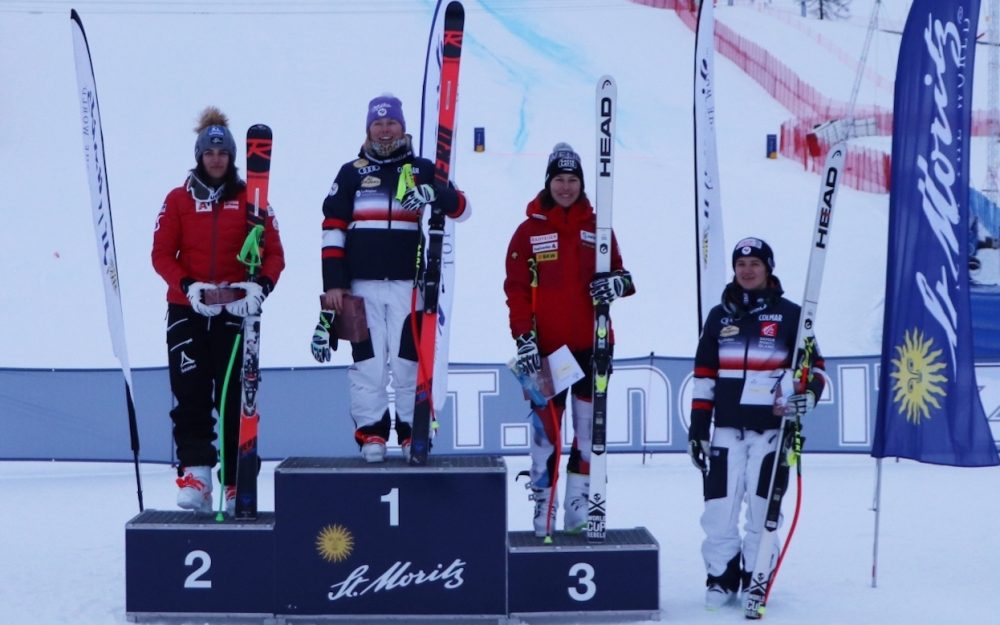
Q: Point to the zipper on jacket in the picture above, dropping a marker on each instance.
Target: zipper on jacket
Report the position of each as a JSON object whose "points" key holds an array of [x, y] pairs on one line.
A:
{"points": [[215, 240]]}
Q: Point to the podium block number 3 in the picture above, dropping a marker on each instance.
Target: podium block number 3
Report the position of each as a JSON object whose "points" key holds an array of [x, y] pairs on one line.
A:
{"points": [[204, 562], [584, 589], [392, 498]]}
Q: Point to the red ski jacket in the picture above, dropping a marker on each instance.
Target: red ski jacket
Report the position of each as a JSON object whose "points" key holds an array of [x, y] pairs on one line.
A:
{"points": [[201, 240], [561, 244]]}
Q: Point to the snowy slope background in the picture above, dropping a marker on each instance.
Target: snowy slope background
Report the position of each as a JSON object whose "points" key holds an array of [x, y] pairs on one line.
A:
{"points": [[528, 75]]}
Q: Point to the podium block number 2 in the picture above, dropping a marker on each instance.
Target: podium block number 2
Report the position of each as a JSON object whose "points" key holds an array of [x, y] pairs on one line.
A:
{"points": [[585, 588], [392, 498], [204, 562]]}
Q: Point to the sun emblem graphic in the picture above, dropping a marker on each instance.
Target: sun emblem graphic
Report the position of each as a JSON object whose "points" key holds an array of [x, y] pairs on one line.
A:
{"points": [[334, 543], [917, 381]]}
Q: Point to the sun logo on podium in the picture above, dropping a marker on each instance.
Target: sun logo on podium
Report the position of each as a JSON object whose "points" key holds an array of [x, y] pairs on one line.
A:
{"points": [[917, 381], [334, 543]]}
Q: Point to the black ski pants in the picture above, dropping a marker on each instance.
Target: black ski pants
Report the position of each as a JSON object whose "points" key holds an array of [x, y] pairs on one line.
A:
{"points": [[199, 351]]}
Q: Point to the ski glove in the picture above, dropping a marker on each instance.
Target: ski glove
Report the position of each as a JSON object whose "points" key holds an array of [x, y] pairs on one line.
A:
{"points": [[698, 450], [529, 360], [194, 292], [324, 339], [607, 287], [799, 404], [416, 197], [250, 304]]}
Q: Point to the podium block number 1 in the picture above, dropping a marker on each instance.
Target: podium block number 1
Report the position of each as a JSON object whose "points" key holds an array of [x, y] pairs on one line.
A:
{"points": [[392, 498]]}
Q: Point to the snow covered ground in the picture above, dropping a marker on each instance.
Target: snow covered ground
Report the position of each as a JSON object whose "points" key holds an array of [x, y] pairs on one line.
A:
{"points": [[63, 561], [528, 75]]}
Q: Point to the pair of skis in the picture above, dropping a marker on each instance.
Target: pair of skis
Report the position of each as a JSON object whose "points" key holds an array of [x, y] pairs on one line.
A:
{"points": [[423, 408], [607, 111], [788, 445], [259, 141]]}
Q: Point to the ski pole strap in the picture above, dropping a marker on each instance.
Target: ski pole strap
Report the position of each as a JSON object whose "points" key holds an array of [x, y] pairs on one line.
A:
{"points": [[250, 252], [405, 182]]}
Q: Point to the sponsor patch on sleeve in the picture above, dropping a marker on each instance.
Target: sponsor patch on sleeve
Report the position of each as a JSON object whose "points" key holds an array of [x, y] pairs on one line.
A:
{"points": [[729, 331], [544, 256], [544, 238], [588, 237]]}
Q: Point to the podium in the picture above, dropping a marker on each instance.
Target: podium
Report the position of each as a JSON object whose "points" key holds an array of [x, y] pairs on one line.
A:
{"points": [[572, 576], [179, 562], [391, 539], [351, 541]]}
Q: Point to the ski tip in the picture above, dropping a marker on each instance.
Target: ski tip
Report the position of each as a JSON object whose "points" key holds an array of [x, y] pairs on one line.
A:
{"points": [[73, 15], [548, 539], [605, 82]]}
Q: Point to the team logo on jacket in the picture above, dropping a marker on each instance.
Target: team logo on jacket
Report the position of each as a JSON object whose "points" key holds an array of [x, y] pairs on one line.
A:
{"points": [[370, 181], [231, 205], [729, 331], [203, 207], [769, 329], [334, 189], [361, 162]]}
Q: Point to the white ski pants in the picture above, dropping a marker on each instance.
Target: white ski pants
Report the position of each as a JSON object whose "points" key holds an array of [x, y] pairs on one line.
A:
{"points": [[391, 362], [734, 477], [543, 434]]}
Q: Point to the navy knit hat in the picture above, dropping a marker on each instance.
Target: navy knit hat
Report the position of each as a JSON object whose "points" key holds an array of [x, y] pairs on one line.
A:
{"points": [[385, 106], [563, 160], [213, 133], [758, 248]]}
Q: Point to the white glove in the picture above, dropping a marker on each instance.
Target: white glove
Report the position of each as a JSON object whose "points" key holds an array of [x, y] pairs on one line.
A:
{"points": [[607, 287], [250, 304], [698, 450], [416, 197], [321, 344], [194, 293], [799, 404], [529, 360]]}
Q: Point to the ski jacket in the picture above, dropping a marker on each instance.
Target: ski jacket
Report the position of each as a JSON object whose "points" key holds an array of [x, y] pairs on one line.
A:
{"points": [[749, 337], [559, 243], [367, 235], [200, 240]]}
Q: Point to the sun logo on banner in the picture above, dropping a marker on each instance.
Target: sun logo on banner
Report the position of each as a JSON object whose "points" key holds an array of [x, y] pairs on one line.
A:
{"points": [[334, 543], [917, 381]]}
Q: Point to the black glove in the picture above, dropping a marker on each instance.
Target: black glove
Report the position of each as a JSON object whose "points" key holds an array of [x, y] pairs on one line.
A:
{"points": [[698, 437], [698, 450], [324, 339], [529, 360], [607, 287], [417, 197], [799, 404]]}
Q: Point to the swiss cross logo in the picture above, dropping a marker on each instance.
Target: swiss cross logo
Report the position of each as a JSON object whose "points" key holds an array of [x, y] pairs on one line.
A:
{"points": [[769, 328]]}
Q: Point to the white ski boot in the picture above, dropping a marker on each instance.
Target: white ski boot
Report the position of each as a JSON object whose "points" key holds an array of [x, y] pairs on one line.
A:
{"points": [[577, 493], [195, 489], [545, 516]]}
